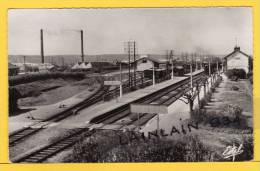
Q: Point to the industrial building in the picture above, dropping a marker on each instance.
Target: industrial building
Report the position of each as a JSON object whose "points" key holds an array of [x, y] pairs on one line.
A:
{"points": [[12, 70]]}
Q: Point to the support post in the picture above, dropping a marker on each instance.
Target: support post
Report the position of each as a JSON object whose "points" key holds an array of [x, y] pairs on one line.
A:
{"points": [[142, 75], [172, 63], [129, 68], [205, 89], [217, 68], [153, 77], [121, 90], [198, 91], [158, 123], [196, 64], [121, 86], [134, 67], [172, 72], [209, 68], [138, 120], [191, 79]]}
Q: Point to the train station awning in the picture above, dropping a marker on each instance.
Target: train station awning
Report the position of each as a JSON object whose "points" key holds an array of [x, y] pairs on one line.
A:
{"points": [[149, 108]]}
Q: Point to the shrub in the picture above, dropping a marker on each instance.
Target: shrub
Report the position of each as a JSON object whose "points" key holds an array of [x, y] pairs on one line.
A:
{"points": [[107, 149], [14, 95], [236, 73], [235, 88]]}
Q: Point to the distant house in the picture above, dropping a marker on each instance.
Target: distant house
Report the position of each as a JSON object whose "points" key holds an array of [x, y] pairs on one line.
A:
{"points": [[238, 60], [34, 67], [12, 69], [146, 62]]}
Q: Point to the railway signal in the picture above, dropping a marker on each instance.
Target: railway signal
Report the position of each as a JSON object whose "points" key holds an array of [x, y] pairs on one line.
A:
{"points": [[115, 83]]}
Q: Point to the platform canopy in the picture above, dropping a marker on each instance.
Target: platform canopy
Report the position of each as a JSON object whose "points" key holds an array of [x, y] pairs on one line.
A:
{"points": [[148, 108]]}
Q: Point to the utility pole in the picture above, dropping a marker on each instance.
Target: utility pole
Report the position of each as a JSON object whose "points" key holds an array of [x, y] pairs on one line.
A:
{"points": [[130, 49], [222, 67], [82, 45], [153, 76], [191, 79], [217, 67], [171, 55], [201, 62], [129, 63], [210, 70], [121, 88], [167, 63], [196, 62], [134, 65], [42, 50], [210, 66], [158, 124]]}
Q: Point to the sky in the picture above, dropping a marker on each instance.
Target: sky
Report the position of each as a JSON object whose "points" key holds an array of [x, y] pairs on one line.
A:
{"points": [[155, 30]]}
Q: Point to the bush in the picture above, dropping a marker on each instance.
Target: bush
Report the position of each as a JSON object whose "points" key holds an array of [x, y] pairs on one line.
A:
{"points": [[107, 149], [235, 88], [236, 73], [14, 95]]}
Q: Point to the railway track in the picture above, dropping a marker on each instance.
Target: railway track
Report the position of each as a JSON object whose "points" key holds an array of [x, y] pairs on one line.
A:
{"points": [[24, 133], [166, 97], [20, 135], [52, 149]]}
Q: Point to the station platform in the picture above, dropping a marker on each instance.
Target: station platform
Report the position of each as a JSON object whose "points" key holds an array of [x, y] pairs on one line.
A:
{"points": [[84, 116]]}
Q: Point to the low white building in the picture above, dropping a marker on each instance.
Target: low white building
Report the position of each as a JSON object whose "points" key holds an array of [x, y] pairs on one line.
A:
{"points": [[238, 60], [82, 66]]}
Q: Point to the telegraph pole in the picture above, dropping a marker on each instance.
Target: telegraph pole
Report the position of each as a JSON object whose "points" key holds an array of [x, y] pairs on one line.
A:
{"points": [[196, 62], [209, 66], [82, 45], [130, 49], [217, 67], [153, 76], [191, 79], [167, 63], [42, 50], [129, 63], [121, 86], [134, 65], [171, 55]]}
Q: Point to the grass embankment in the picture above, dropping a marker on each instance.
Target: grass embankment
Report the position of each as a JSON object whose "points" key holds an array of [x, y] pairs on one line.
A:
{"points": [[225, 120], [51, 89]]}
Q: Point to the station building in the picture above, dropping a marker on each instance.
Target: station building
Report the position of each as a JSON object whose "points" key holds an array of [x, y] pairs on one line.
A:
{"points": [[238, 60]]}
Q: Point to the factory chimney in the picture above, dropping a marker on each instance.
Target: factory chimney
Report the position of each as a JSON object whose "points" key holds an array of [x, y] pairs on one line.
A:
{"points": [[42, 52], [82, 46]]}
